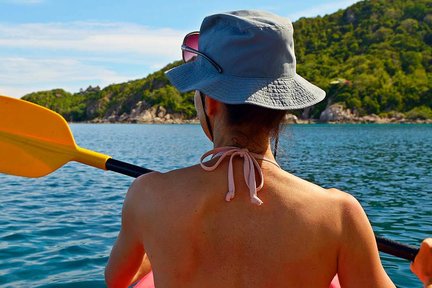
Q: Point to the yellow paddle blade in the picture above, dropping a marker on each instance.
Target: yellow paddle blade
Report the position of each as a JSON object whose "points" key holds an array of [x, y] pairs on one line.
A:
{"points": [[35, 141]]}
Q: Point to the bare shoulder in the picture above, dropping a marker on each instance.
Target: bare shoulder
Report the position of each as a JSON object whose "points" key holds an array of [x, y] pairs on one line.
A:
{"points": [[343, 197], [349, 205], [157, 181], [336, 197], [151, 190], [355, 222], [145, 183], [358, 259], [328, 208], [146, 189], [139, 195], [141, 186], [350, 209], [158, 177]]}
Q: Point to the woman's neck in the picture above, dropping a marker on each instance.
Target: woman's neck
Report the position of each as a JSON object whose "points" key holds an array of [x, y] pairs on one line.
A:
{"points": [[259, 144]]}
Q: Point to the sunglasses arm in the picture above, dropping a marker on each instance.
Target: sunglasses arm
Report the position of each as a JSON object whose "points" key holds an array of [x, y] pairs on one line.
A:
{"points": [[189, 49]]}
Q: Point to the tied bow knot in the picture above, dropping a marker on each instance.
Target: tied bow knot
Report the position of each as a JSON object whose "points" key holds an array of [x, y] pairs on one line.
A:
{"points": [[249, 166]]}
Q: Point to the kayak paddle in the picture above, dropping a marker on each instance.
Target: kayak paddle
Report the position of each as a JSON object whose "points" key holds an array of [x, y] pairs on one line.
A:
{"points": [[35, 141]]}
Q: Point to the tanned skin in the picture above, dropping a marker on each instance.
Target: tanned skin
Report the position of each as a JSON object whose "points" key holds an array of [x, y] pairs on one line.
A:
{"points": [[301, 236]]}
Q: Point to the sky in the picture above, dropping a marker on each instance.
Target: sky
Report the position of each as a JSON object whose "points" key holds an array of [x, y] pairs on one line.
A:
{"points": [[71, 44]]}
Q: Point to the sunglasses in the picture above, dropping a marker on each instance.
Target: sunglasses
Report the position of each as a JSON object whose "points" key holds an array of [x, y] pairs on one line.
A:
{"points": [[190, 50]]}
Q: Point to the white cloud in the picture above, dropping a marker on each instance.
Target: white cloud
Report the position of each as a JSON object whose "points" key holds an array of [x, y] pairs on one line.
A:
{"points": [[50, 70], [74, 55], [14, 92], [323, 9], [93, 37], [24, 75]]}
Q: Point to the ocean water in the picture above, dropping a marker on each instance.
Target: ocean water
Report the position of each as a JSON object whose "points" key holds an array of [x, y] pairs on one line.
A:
{"points": [[57, 231]]}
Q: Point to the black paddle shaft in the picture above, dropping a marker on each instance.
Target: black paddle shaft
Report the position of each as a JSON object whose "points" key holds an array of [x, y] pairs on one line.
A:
{"points": [[384, 245], [396, 249], [125, 168]]}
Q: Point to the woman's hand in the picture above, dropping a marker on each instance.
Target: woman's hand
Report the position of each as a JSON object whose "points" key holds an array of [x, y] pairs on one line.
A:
{"points": [[422, 265]]}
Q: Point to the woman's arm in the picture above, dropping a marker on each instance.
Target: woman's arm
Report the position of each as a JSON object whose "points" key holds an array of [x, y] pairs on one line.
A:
{"points": [[422, 265], [128, 261], [359, 264]]}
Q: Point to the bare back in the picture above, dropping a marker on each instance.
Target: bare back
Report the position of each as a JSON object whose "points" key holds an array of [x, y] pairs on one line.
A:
{"points": [[194, 238]]}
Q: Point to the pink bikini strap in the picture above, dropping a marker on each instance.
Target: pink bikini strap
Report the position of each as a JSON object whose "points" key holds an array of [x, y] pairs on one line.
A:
{"points": [[249, 165]]}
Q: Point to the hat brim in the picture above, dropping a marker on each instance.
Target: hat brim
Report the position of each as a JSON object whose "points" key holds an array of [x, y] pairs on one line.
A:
{"points": [[283, 93]]}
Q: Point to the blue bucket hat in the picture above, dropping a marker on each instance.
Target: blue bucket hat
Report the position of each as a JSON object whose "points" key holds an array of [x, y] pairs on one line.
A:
{"points": [[255, 50]]}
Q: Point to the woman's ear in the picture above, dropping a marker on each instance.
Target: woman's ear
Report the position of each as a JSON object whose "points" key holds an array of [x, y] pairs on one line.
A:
{"points": [[202, 115], [212, 106]]}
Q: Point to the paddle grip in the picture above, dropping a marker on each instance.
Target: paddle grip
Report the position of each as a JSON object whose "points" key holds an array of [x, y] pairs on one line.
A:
{"points": [[125, 168], [397, 249]]}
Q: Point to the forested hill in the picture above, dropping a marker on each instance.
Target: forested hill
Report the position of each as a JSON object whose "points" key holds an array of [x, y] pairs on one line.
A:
{"points": [[374, 57], [383, 48]]}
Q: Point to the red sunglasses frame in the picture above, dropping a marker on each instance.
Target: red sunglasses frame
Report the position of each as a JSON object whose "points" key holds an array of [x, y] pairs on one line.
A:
{"points": [[186, 48]]}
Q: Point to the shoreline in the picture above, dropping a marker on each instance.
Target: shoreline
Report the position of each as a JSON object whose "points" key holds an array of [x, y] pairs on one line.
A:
{"points": [[296, 122], [334, 114]]}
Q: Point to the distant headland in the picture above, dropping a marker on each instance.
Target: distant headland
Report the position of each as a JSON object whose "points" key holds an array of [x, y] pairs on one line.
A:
{"points": [[374, 60]]}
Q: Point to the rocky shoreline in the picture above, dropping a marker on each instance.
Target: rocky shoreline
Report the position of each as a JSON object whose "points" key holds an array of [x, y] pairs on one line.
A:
{"points": [[337, 113], [141, 113], [334, 114]]}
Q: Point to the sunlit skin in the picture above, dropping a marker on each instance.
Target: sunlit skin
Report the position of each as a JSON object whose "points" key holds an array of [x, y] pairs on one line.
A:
{"points": [[422, 265], [301, 236]]}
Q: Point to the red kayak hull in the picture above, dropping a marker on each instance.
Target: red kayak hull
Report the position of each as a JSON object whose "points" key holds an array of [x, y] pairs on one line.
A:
{"points": [[148, 282]]}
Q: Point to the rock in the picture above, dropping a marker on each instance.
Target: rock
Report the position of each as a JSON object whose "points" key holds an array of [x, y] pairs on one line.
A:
{"points": [[158, 120], [113, 118], [396, 117], [177, 116], [145, 117], [290, 119], [370, 119], [142, 113], [97, 120], [137, 110], [124, 117], [336, 113], [161, 112]]}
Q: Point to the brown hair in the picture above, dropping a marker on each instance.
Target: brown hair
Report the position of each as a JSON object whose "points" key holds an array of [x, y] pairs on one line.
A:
{"points": [[255, 118]]}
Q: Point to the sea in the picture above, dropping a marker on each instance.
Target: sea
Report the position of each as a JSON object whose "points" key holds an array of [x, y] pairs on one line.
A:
{"points": [[58, 230]]}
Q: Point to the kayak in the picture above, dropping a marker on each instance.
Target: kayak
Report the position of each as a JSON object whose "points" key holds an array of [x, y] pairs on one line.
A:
{"points": [[148, 282]]}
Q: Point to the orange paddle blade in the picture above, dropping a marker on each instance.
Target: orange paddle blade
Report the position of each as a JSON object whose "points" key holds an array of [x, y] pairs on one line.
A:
{"points": [[35, 141]]}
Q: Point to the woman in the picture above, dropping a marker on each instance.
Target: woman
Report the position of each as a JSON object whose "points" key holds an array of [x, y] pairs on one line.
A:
{"points": [[277, 230]]}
